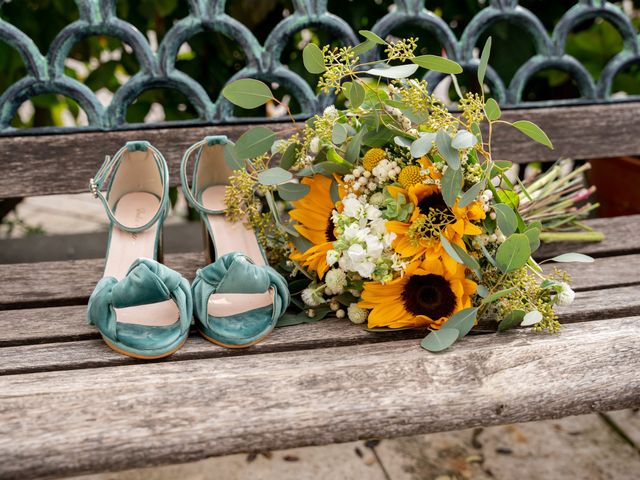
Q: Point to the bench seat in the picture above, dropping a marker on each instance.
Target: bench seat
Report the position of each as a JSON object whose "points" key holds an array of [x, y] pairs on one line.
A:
{"points": [[69, 405]]}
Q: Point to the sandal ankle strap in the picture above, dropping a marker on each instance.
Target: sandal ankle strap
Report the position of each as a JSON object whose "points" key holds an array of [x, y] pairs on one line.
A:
{"points": [[188, 193], [104, 176]]}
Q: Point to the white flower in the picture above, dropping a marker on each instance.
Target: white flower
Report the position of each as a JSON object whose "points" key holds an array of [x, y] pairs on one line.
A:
{"points": [[351, 207], [340, 313], [334, 305], [332, 257], [331, 111], [357, 314], [356, 253], [365, 269], [277, 146], [565, 296], [314, 145], [311, 297], [336, 280], [374, 246], [378, 226]]}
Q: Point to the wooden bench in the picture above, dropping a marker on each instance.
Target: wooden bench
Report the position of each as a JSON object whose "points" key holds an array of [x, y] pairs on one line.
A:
{"points": [[69, 405]]}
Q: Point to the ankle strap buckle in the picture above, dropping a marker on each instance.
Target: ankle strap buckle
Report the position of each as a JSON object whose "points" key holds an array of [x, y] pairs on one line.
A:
{"points": [[93, 187]]}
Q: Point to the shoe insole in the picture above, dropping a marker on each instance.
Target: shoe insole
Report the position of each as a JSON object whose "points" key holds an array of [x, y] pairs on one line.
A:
{"points": [[134, 210], [231, 237]]}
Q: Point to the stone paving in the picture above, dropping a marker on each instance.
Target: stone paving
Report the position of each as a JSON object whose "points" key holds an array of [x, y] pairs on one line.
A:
{"points": [[581, 447]]}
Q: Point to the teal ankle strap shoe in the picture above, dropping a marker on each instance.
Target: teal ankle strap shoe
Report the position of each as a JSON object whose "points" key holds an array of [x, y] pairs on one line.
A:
{"points": [[142, 308], [238, 298]]}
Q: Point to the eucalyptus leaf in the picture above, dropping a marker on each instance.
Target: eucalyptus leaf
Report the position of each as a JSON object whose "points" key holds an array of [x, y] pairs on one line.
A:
{"points": [[293, 191], [533, 131], [467, 259], [289, 319], [302, 244], [363, 47], [513, 253], [531, 318], [475, 129], [511, 320], [533, 234], [437, 64], [449, 249], [339, 134], [572, 257], [372, 37], [484, 62], [254, 142], [439, 340], [289, 156], [334, 191], [497, 295], [313, 59], [423, 145], [463, 139], [353, 149], [402, 141], [482, 291], [247, 93], [472, 194], [450, 154], [492, 110], [451, 185], [231, 158], [356, 94], [506, 218], [274, 176], [462, 321], [396, 72], [488, 256]]}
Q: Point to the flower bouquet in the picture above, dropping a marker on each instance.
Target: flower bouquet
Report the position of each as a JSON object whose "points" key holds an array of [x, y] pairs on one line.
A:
{"points": [[391, 211]]}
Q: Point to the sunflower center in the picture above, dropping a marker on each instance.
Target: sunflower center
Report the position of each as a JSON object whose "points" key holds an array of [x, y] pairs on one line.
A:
{"points": [[429, 295], [329, 234], [435, 208]]}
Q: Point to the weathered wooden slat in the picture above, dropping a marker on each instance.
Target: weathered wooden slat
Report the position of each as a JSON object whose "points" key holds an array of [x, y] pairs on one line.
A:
{"points": [[91, 353], [620, 238], [58, 338], [122, 417], [31, 163], [26, 285]]}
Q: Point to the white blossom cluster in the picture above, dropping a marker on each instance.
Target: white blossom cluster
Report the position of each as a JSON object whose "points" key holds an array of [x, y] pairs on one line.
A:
{"points": [[363, 246]]}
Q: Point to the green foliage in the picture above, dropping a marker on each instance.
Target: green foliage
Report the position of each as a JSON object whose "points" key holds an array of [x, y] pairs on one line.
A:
{"points": [[513, 253], [439, 340], [247, 93]]}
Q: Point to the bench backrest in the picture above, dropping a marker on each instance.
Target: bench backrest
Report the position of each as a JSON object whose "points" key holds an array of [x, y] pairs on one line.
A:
{"points": [[52, 161]]}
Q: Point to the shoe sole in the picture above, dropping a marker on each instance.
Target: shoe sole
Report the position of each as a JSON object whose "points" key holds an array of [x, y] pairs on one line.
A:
{"points": [[142, 357], [216, 342]]}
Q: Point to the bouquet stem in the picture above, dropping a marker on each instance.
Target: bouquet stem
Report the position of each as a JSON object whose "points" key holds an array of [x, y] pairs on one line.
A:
{"points": [[571, 236]]}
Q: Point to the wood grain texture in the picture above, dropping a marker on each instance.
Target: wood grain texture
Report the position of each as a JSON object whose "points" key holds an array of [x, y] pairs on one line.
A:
{"points": [[28, 285], [31, 163], [620, 238], [148, 414], [59, 338]]}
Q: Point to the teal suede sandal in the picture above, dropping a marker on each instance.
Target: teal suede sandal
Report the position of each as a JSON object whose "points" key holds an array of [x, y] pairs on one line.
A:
{"points": [[142, 308], [238, 298]]}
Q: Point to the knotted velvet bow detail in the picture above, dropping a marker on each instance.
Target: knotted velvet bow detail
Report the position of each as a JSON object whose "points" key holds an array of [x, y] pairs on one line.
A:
{"points": [[236, 273], [146, 282]]}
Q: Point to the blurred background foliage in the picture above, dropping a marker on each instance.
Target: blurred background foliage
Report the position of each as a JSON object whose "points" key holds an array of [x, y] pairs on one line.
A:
{"points": [[104, 63]]}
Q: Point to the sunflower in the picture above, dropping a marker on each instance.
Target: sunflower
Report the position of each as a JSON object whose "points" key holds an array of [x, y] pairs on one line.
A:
{"points": [[431, 217], [313, 214], [426, 296]]}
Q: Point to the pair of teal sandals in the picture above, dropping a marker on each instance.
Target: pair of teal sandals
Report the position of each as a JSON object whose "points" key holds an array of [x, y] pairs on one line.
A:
{"points": [[143, 308]]}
